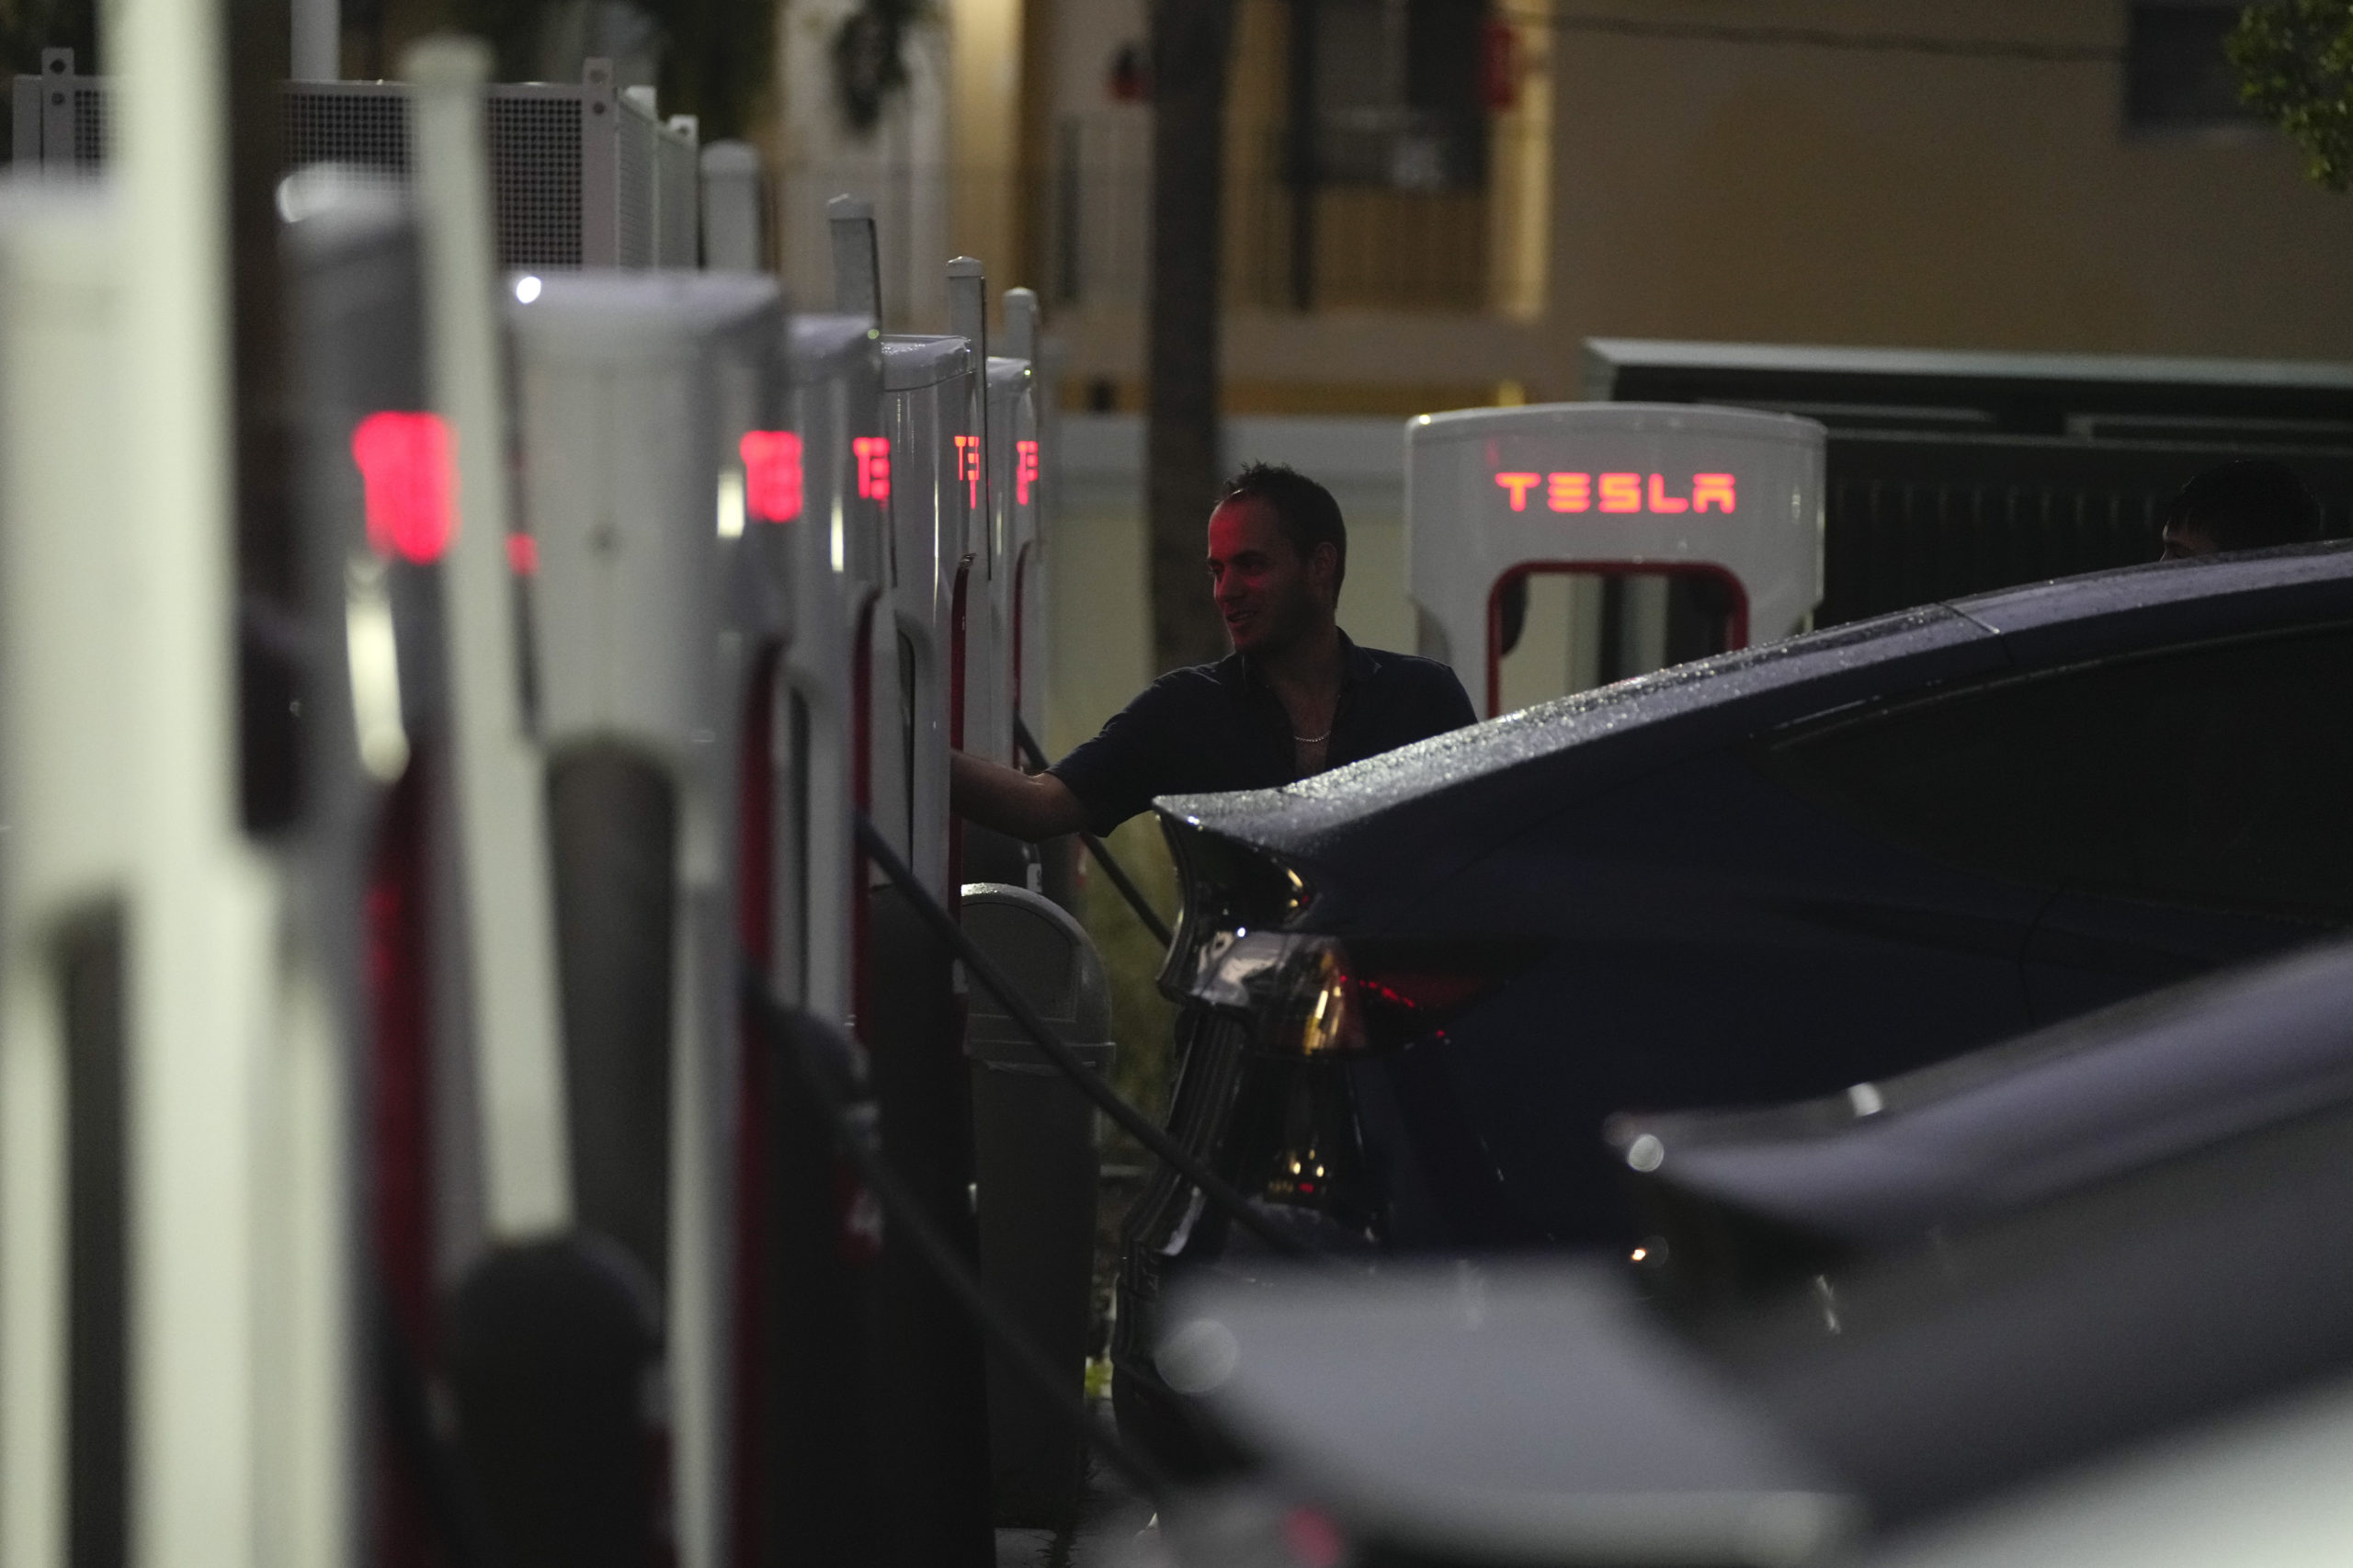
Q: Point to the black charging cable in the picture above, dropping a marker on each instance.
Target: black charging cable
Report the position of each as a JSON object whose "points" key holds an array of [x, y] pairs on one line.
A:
{"points": [[1140, 1127], [823, 1057], [1096, 847]]}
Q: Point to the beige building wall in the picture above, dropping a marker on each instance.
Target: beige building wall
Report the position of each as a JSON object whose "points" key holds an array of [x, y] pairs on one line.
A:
{"points": [[1794, 193], [984, 94], [1884, 187]]}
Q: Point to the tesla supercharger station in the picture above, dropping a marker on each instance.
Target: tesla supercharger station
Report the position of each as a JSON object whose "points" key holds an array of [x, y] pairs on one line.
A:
{"points": [[375, 524], [1682, 530], [1019, 461], [1010, 476], [805, 1454], [632, 394], [931, 1400], [825, 563], [174, 1192], [177, 1317], [935, 479]]}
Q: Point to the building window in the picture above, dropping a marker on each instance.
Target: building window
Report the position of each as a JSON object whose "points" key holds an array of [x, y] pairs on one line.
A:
{"points": [[2175, 75], [1391, 93]]}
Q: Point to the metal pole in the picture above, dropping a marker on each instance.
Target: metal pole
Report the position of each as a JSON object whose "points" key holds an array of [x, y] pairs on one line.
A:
{"points": [[317, 40]]}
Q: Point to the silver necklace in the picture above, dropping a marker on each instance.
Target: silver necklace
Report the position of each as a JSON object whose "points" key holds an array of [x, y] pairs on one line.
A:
{"points": [[1310, 740]]}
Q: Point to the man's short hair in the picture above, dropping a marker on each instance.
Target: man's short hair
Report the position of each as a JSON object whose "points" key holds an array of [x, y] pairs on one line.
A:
{"points": [[1303, 509], [2247, 505]]}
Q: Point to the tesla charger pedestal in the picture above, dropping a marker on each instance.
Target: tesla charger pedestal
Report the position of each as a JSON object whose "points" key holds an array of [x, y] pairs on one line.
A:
{"points": [[1026, 540], [935, 489], [1646, 494], [832, 555], [633, 394]]}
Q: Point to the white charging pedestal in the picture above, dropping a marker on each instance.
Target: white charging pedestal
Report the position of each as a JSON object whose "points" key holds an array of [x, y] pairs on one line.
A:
{"points": [[633, 394], [993, 627], [1725, 501], [1023, 451], [832, 555]]}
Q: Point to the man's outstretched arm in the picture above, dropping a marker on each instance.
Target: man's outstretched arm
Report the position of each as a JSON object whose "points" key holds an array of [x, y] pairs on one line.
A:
{"points": [[1026, 805]]}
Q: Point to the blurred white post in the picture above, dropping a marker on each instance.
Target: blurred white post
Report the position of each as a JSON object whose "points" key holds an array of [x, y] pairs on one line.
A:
{"points": [[202, 915], [65, 732], [731, 206], [317, 40], [502, 805]]}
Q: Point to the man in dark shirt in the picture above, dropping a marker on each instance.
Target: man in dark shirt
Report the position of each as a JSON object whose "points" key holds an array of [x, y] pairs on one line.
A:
{"points": [[1296, 696]]}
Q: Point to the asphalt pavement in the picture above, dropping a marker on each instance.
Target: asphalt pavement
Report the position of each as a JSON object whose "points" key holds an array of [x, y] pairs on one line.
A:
{"points": [[1105, 1535]]}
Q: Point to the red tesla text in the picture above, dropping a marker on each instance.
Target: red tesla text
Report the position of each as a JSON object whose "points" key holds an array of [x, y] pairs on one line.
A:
{"points": [[873, 454], [771, 475], [1621, 492]]}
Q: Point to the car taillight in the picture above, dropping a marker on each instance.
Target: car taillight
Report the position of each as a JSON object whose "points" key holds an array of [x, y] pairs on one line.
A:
{"points": [[1314, 995]]}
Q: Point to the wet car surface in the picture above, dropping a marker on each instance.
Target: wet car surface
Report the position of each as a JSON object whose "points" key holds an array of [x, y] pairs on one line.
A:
{"points": [[1420, 986]]}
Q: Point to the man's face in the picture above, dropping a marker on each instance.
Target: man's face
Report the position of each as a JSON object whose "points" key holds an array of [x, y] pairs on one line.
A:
{"points": [[2185, 541], [1266, 594]]}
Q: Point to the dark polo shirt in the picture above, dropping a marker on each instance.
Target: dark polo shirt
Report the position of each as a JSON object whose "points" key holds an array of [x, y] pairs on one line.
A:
{"points": [[1221, 727]]}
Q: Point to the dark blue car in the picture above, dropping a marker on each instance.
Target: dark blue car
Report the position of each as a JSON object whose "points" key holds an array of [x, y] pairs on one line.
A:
{"points": [[2083, 1296], [1418, 987]]}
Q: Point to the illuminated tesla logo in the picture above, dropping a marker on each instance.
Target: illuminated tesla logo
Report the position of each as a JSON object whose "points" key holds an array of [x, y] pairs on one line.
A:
{"points": [[771, 475], [1621, 492], [968, 465], [873, 454], [404, 465], [1025, 470]]}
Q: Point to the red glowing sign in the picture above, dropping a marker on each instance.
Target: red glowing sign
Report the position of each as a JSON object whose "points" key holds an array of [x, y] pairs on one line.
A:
{"points": [[405, 464], [1619, 493], [1025, 470], [873, 454], [771, 475], [522, 555], [968, 464]]}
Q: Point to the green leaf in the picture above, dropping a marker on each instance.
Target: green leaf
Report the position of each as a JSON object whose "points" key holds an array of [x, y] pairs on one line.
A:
{"points": [[2294, 61]]}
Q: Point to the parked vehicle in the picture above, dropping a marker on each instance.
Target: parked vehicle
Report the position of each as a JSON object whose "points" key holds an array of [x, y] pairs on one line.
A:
{"points": [[2006, 1309], [2156, 1362], [1418, 987], [1737, 1206]]}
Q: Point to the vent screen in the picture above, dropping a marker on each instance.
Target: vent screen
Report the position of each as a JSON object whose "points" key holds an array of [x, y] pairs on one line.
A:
{"points": [[92, 127], [535, 179], [367, 129], [633, 178]]}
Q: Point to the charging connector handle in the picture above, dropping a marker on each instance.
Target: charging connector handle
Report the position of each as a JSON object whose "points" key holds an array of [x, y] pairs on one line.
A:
{"points": [[1138, 1125], [1096, 847]]}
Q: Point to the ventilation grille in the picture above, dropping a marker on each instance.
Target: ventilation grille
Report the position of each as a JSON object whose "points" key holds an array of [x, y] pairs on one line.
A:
{"points": [[568, 191], [681, 173], [368, 129], [535, 147], [92, 127], [633, 181]]}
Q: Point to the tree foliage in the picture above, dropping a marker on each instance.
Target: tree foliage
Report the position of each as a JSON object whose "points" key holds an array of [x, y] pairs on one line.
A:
{"points": [[2295, 65], [869, 57]]}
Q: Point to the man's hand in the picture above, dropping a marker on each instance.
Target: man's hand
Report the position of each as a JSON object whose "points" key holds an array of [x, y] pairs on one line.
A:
{"points": [[1026, 805]]}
